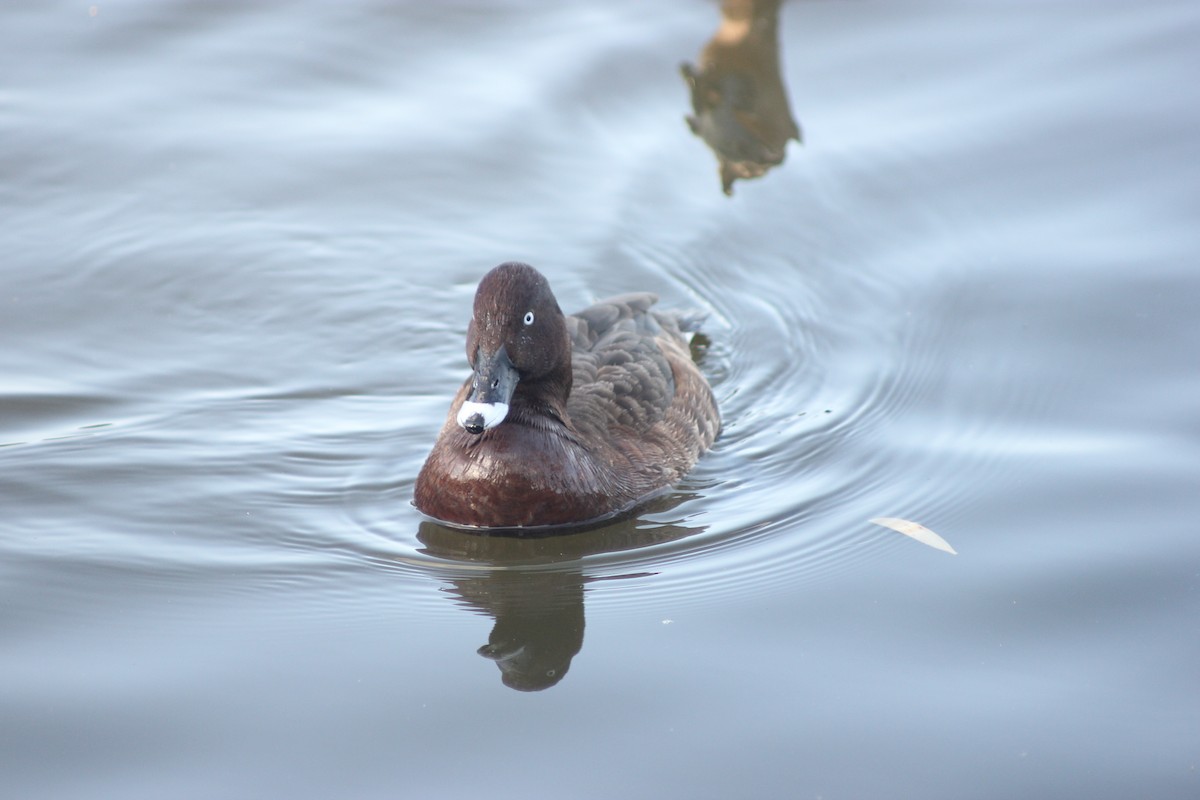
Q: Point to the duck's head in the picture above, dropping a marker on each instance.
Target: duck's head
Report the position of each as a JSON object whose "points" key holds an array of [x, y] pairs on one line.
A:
{"points": [[517, 345]]}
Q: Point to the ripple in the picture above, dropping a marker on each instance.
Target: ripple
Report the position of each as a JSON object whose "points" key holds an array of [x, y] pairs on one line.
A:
{"points": [[819, 371]]}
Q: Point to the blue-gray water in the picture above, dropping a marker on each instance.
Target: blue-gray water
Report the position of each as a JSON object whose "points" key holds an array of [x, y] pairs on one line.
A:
{"points": [[238, 244]]}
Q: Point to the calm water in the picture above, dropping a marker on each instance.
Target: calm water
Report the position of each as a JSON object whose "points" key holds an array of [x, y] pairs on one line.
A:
{"points": [[239, 247]]}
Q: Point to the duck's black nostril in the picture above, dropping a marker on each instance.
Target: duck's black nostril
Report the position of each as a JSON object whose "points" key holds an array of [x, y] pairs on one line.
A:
{"points": [[474, 424]]}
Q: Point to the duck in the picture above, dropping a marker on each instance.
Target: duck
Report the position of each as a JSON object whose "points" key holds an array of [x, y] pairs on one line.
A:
{"points": [[565, 419]]}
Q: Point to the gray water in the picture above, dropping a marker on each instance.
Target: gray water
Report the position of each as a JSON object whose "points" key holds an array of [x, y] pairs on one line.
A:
{"points": [[239, 244]]}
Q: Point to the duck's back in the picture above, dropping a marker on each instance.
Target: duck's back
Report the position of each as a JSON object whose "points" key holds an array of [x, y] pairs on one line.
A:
{"points": [[637, 392]]}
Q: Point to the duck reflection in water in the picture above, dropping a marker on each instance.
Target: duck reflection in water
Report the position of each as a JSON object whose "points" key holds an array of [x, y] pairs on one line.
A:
{"points": [[739, 103], [533, 587]]}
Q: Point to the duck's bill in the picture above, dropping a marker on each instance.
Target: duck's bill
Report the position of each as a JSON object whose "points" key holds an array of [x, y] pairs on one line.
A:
{"points": [[478, 417], [492, 387]]}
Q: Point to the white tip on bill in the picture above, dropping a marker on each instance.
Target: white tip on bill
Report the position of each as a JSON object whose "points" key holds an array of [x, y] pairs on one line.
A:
{"points": [[491, 413]]}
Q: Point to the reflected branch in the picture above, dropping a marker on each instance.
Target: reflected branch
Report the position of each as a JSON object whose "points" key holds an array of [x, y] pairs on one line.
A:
{"points": [[739, 103]]}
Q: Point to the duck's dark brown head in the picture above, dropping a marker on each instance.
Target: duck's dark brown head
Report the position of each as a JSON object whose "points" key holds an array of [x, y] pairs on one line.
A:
{"points": [[517, 345]]}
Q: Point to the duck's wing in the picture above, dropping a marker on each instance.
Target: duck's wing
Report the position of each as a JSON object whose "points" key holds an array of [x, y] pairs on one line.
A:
{"points": [[593, 322], [622, 377], [596, 321]]}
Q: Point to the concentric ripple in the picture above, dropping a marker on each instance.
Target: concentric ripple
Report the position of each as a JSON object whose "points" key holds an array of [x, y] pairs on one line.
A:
{"points": [[816, 357]]}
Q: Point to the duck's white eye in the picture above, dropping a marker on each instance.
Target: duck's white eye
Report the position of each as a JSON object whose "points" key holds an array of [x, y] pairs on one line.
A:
{"points": [[528, 317]]}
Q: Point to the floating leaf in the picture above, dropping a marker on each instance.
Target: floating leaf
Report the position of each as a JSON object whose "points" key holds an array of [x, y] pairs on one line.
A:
{"points": [[917, 531]]}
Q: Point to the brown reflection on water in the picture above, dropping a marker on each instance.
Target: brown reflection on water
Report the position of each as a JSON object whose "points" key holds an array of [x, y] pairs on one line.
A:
{"points": [[533, 586], [739, 103]]}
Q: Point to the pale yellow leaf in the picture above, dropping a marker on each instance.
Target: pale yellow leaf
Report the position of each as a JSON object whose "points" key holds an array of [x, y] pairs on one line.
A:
{"points": [[917, 531]]}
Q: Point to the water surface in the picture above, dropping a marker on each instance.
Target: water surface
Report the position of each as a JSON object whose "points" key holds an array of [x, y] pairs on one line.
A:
{"points": [[240, 245]]}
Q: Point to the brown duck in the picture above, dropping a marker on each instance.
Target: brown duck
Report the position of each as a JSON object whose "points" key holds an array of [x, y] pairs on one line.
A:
{"points": [[565, 419]]}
